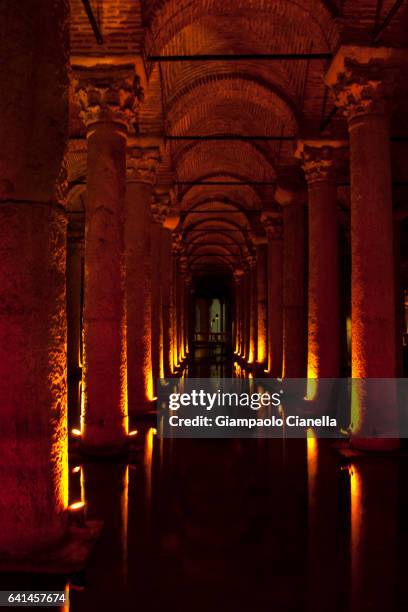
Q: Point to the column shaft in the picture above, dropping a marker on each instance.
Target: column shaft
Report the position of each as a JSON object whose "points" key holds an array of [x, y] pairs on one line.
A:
{"points": [[105, 417], [294, 291], [33, 129], [138, 295], [323, 323], [262, 340], [275, 306], [167, 304]]}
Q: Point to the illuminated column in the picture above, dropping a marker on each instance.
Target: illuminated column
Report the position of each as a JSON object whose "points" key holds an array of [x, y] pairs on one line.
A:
{"points": [[181, 300], [188, 282], [261, 258], [238, 309], [34, 132], [159, 212], [75, 251], [253, 309], [319, 158], [274, 231], [107, 98], [246, 299], [293, 200], [362, 80], [176, 245], [167, 280], [141, 175]]}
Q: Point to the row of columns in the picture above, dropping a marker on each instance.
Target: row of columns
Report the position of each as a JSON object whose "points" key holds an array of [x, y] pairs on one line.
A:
{"points": [[33, 331], [303, 323], [135, 313]]}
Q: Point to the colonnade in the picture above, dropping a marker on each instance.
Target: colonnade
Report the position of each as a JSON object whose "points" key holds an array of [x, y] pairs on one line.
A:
{"points": [[303, 330], [136, 272]]}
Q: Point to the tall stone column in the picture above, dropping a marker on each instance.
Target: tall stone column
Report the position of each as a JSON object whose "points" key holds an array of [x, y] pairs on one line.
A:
{"points": [[107, 98], [293, 199], [238, 310], [253, 309], [183, 310], [159, 212], [262, 334], [246, 302], [34, 59], [176, 245], [362, 80], [274, 232], [167, 281], [75, 253], [141, 175], [319, 158]]}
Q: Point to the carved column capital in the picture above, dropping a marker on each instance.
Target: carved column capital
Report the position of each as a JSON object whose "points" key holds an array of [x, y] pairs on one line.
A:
{"points": [[363, 80], [141, 164], [160, 206], [273, 224], [320, 158], [107, 93]]}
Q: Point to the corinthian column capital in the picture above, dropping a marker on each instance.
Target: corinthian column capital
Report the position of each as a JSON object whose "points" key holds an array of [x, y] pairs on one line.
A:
{"points": [[141, 164], [160, 206], [320, 158], [107, 93], [363, 79], [273, 224]]}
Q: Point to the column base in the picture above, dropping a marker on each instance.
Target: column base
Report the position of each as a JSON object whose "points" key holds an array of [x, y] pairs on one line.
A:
{"points": [[68, 557]]}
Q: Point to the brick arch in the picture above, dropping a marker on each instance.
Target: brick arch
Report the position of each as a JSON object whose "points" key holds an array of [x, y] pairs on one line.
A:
{"points": [[242, 195], [241, 158], [243, 92], [174, 16]]}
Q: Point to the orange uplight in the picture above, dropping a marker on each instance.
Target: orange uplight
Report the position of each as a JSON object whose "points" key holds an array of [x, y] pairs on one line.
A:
{"points": [[312, 463], [261, 348], [76, 469], [133, 433], [76, 433], [312, 376]]}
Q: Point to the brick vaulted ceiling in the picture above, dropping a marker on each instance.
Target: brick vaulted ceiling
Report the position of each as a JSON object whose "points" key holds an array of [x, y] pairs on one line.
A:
{"points": [[230, 97]]}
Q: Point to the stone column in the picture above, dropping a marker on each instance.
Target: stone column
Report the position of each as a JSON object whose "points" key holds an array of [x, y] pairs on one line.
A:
{"points": [[238, 310], [246, 300], [253, 310], [159, 213], [293, 199], [75, 252], [188, 282], [167, 304], [183, 274], [262, 335], [274, 232], [362, 80], [34, 59], [107, 98], [167, 281], [319, 158], [141, 175]]}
